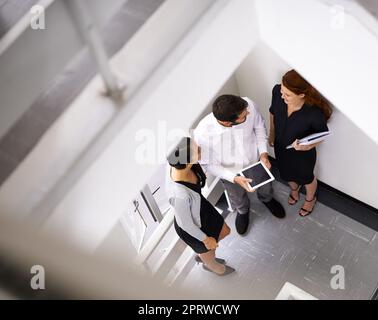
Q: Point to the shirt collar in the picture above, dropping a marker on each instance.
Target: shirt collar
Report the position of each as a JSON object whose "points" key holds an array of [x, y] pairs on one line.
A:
{"points": [[218, 126]]}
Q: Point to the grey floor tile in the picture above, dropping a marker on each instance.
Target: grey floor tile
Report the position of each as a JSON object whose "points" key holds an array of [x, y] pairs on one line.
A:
{"points": [[358, 230]]}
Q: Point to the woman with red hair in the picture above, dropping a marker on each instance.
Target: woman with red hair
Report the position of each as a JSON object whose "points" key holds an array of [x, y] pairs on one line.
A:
{"points": [[297, 110]]}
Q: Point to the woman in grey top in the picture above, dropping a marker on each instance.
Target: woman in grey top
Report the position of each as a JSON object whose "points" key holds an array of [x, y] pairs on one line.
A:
{"points": [[196, 222]]}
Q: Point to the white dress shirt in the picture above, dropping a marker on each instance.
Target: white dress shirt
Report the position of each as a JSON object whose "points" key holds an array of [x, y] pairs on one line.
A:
{"points": [[226, 150]]}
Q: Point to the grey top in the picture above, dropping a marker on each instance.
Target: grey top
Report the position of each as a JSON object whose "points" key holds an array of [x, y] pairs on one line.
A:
{"points": [[187, 206]]}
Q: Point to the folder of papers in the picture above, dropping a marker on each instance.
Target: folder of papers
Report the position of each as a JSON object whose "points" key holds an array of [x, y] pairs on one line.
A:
{"points": [[312, 138]]}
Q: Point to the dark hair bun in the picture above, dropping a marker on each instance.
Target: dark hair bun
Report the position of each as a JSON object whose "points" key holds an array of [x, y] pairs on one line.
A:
{"points": [[181, 154]]}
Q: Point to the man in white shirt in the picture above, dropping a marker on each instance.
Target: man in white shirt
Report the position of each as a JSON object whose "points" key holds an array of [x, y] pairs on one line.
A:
{"points": [[232, 137]]}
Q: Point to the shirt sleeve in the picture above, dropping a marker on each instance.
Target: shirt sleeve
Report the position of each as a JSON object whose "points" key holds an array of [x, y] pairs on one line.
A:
{"points": [[275, 91], [184, 218], [219, 171], [319, 122], [260, 131], [209, 161]]}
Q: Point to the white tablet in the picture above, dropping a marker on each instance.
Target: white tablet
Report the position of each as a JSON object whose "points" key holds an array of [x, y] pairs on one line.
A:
{"points": [[259, 174]]}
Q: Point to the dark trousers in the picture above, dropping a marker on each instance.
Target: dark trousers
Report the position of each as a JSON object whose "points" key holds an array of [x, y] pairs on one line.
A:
{"points": [[239, 197]]}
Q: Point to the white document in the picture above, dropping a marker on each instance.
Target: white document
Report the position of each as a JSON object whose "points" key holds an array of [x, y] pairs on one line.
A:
{"points": [[312, 138]]}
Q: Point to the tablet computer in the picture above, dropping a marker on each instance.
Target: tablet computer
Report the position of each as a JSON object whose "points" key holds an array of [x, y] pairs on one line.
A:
{"points": [[259, 174]]}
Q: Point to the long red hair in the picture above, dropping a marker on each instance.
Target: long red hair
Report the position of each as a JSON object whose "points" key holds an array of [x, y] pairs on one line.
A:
{"points": [[293, 81]]}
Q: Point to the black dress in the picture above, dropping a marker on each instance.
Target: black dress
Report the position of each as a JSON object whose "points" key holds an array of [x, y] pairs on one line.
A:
{"points": [[211, 221], [297, 166]]}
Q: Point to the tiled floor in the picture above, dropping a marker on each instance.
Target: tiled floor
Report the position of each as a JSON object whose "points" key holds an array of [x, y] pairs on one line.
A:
{"points": [[295, 249]]}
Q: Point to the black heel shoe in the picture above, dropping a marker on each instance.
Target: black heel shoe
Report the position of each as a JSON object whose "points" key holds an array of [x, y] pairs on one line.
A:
{"points": [[292, 198], [306, 212]]}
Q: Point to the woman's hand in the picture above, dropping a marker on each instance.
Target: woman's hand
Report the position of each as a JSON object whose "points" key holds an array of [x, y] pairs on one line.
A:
{"points": [[299, 147], [210, 243]]}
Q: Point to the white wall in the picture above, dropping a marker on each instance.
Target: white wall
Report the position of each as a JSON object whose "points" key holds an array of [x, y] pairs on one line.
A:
{"points": [[257, 75], [230, 87], [347, 160], [117, 246], [337, 54]]}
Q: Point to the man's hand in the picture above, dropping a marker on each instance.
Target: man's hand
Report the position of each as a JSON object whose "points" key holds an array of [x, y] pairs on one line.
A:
{"points": [[210, 243], [264, 158], [244, 183]]}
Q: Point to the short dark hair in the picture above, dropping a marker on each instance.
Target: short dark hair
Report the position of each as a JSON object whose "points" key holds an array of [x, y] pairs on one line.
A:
{"points": [[228, 107], [181, 155]]}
